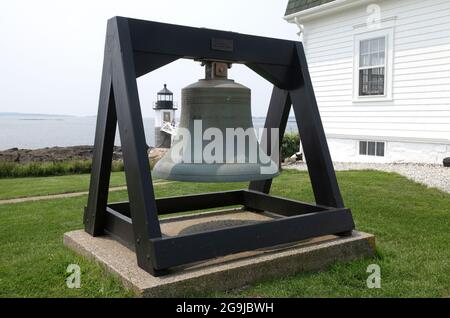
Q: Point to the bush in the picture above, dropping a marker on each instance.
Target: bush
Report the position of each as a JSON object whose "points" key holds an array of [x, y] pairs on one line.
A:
{"points": [[44, 169], [290, 145]]}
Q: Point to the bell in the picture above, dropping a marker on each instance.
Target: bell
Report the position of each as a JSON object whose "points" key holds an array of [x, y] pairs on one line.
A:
{"points": [[216, 140]]}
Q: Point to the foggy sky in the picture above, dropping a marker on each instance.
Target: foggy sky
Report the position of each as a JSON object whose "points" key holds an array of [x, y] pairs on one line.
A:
{"points": [[51, 51]]}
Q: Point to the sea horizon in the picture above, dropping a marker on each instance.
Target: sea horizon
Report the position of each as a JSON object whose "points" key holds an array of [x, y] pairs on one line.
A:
{"points": [[36, 131]]}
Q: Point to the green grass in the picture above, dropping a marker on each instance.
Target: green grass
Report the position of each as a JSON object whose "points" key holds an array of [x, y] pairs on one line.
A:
{"points": [[44, 169], [411, 224], [26, 187]]}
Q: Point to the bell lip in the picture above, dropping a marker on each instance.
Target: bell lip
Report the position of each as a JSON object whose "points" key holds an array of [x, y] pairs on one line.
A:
{"points": [[164, 169], [214, 178], [168, 169]]}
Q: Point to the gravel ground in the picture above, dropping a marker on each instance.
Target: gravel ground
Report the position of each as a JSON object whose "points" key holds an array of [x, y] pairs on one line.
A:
{"points": [[434, 176]]}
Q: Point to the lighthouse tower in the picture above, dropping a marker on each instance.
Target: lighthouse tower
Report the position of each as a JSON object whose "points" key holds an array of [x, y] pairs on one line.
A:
{"points": [[164, 118]]}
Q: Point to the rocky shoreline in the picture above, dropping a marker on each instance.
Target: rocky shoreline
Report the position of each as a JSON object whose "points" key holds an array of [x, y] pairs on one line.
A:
{"points": [[64, 154], [53, 154]]}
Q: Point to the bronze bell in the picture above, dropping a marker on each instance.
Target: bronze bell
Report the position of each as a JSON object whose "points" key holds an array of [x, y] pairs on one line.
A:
{"points": [[216, 140]]}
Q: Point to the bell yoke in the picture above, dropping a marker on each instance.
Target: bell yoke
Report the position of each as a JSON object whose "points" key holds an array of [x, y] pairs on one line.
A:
{"points": [[136, 47]]}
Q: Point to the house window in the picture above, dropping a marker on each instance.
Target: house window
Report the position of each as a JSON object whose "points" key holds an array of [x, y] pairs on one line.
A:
{"points": [[372, 58], [373, 64], [371, 148]]}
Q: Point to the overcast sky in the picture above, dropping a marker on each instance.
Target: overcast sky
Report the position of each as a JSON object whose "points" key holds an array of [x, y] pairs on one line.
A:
{"points": [[51, 51]]}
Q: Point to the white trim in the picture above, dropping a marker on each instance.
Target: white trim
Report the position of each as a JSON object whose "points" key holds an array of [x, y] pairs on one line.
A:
{"points": [[391, 139], [324, 9], [388, 33], [301, 30], [387, 23]]}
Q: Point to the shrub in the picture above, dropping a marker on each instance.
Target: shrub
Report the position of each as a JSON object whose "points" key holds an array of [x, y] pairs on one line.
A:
{"points": [[44, 169], [290, 145], [117, 166]]}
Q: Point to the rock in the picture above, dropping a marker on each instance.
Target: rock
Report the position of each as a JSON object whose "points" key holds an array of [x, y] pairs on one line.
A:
{"points": [[291, 159], [52, 154], [294, 158], [446, 162], [155, 154]]}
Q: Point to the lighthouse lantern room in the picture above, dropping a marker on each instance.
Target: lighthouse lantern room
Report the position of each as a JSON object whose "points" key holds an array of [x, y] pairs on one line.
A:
{"points": [[164, 118]]}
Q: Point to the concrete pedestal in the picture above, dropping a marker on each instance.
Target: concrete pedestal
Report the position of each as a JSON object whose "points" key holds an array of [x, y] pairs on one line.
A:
{"points": [[224, 273]]}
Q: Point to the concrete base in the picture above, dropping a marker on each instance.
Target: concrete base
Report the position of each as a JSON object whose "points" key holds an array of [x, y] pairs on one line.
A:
{"points": [[224, 273]]}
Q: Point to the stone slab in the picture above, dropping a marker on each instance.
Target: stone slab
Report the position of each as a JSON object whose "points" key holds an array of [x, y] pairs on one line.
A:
{"points": [[223, 273]]}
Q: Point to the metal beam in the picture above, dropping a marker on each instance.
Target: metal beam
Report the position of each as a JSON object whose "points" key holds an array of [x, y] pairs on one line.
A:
{"points": [[184, 249], [202, 43], [134, 147], [263, 202], [105, 132], [199, 201], [312, 135], [120, 227], [176, 204], [277, 117]]}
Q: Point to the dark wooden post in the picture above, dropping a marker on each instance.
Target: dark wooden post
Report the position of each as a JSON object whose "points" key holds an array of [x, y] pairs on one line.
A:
{"points": [[277, 117], [105, 131], [314, 142]]}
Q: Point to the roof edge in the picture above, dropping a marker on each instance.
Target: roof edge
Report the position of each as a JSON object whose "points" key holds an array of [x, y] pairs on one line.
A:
{"points": [[323, 9]]}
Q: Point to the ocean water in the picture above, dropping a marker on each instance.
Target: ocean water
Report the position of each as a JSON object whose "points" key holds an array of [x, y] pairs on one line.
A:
{"points": [[39, 131]]}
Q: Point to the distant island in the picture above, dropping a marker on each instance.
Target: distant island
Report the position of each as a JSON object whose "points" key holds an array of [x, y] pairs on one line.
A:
{"points": [[12, 114]]}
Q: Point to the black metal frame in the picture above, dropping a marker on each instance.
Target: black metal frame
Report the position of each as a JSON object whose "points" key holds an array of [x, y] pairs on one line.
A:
{"points": [[136, 47]]}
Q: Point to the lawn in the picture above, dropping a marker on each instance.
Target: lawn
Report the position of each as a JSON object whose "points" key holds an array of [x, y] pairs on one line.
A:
{"points": [[36, 186], [410, 221]]}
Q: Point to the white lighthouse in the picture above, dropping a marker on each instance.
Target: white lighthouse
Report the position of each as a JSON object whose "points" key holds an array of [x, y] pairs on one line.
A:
{"points": [[164, 118]]}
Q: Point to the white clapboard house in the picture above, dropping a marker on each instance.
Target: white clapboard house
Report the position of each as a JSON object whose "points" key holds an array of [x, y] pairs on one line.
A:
{"points": [[381, 74]]}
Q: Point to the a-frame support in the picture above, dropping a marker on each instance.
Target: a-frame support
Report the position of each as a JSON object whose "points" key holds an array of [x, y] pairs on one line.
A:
{"points": [[314, 143], [134, 48]]}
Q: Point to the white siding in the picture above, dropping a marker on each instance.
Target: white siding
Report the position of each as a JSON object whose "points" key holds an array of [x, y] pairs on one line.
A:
{"points": [[347, 150], [420, 105]]}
